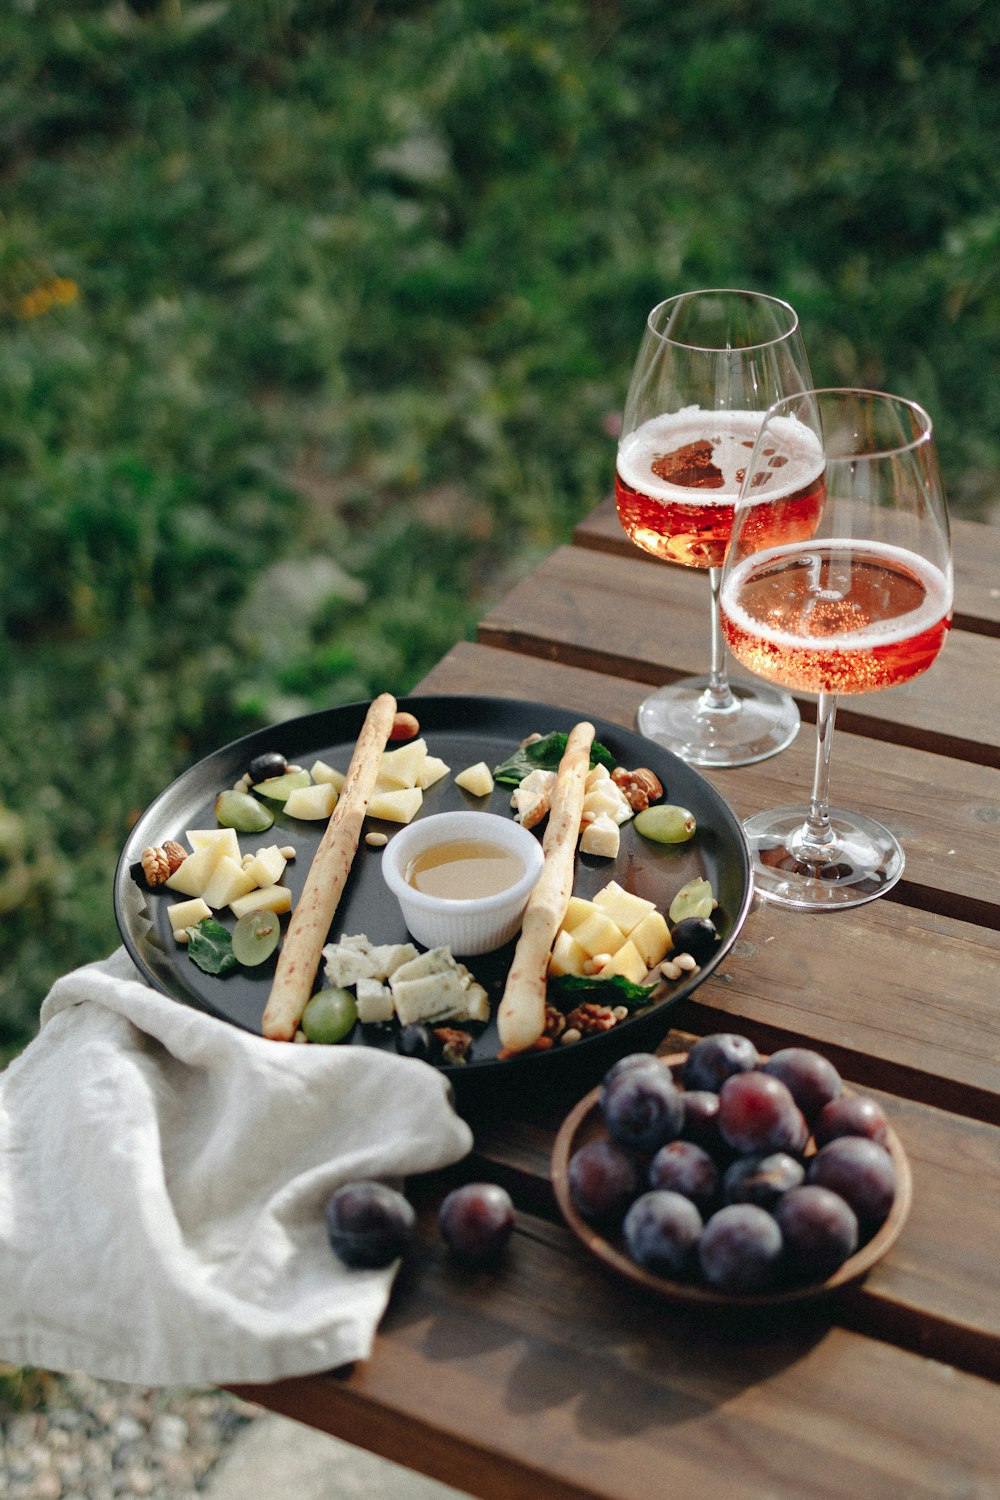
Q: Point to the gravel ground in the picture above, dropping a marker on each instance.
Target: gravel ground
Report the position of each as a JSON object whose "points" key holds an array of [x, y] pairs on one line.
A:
{"points": [[98, 1440]]}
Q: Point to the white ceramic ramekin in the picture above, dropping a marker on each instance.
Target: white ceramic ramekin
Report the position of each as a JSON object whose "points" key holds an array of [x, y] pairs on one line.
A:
{"points": [[466, 927]]}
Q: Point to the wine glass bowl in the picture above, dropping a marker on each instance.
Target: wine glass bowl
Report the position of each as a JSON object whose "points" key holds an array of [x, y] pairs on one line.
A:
{"points": [[861, 604], [710, 363]]}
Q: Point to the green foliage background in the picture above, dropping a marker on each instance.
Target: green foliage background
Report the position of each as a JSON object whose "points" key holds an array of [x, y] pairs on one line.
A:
{"points": [[314, 318]]}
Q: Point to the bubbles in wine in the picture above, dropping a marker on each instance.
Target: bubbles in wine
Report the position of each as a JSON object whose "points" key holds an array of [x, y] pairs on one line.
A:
{"points": [[837, 615]]}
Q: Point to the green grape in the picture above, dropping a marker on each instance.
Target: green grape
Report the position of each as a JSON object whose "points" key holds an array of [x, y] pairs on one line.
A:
{"points": [[241, 811], [255, 937], [277, 788], [666, 824], [692, 900], [330, 1015]]}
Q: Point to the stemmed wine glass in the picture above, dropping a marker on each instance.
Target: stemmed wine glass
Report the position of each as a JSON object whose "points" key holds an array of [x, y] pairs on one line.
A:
{"points": [[709, 365], [862, 603]]}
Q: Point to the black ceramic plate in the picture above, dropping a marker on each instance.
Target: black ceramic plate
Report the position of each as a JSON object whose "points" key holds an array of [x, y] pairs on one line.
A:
{"points": [[461, 731]]}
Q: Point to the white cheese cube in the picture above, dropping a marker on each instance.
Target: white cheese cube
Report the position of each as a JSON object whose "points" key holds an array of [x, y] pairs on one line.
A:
{"points": [[628, 962], [323, 774], [477, 1003], [312, 802], [601, 838], [399, 806], [229, 881], [652, 939], [477, 780], [598, 934], [400, 768], [567, 957], [185, 914], [432, 770], [624, 908], [577, 911], [276, 898], [222, 839], [193, 874], [374, 1001], [267, 866]]}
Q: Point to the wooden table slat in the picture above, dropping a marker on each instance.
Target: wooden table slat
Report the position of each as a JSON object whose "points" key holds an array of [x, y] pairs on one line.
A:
{"points": [[605, 1394]]}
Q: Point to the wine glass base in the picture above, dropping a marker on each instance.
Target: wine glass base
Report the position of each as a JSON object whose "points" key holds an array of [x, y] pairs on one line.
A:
{"points": [[865, 861], [682, 717]]}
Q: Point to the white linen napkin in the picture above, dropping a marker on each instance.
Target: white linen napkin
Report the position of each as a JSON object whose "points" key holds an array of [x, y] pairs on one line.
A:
{"points": [[162, 1182]]}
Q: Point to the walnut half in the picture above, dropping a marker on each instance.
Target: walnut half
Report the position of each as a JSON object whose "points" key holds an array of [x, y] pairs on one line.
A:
{"points": [[640, 787]]}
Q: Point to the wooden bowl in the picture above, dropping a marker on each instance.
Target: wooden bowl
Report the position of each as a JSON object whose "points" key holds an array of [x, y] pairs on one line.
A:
{"points": [[584, 1123]]}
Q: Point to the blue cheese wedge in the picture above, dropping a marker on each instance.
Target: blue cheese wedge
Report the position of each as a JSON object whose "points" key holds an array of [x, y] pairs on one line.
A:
{"points": [[393, 979], [374, 1000], [435, 988]]}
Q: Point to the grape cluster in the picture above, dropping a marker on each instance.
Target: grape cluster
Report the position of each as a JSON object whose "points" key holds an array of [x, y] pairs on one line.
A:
{"points": [[747, 1175]]}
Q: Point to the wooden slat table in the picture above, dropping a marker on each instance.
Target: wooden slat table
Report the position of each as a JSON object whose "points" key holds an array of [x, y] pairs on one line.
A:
{"points": [[549, 1379]]}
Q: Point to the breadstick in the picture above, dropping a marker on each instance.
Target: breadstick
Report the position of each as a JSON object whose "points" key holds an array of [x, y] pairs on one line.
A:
{"points": [[302, 949], [521, 1013]]}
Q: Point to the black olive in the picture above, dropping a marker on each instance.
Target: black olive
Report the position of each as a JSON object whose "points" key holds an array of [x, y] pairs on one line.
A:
{"points": [[416, 1041], [271, 763], [697, 936]]}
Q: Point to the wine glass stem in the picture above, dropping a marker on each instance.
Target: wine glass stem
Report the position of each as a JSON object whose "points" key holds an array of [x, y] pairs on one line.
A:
{"points": [[718, 696], [816, 839]]}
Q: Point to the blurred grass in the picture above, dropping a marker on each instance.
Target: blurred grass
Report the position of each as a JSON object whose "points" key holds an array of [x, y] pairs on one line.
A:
{"points": [[315, 317]]}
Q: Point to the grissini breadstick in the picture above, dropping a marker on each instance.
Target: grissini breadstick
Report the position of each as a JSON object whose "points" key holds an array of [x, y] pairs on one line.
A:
{"points": [[302, 949], [521, 1013]]}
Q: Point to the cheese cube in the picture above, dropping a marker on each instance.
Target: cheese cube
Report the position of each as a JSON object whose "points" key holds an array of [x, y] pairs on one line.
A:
{"points": [[432, 770], [627, 962], [400, 768], [567, 957], [435, 997], [601, 838], [625, 909], [185, 914], [477, 1003], [374, 1001], [267, 866], [312, 802], [607, 798], [595, 776], [598, 934], [276, 898], [652, 939], [224, 840], [397, 806], [323, 774], [193, 874], [477, 779], [228, 881], [576, 911]]}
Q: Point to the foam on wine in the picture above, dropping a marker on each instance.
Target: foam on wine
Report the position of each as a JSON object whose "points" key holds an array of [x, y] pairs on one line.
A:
{"points": [[644, 457], [836, 616]]}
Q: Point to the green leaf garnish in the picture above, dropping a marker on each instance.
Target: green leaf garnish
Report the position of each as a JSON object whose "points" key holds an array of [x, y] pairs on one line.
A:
{"points": [[566, 990], [545, 755], [211, 947]]}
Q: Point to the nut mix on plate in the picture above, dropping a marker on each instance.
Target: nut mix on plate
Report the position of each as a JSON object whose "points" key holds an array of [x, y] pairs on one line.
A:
{"points": [[750, 1176]]}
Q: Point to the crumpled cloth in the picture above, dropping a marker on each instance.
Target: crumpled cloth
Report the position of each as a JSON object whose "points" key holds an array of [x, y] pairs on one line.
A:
{"points": [[163, 1176]]}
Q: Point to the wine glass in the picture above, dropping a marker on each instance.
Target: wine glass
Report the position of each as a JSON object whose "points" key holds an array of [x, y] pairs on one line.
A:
{"points": [[863, 603], [709, 365]]}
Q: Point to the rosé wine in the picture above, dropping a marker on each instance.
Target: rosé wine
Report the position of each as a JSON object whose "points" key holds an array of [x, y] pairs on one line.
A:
{"points": [[679, 476], [837, 616]]}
